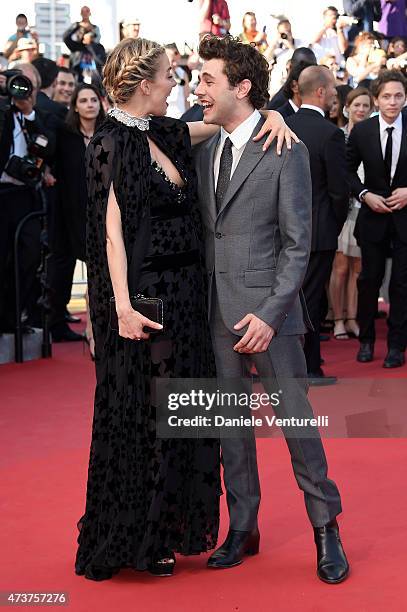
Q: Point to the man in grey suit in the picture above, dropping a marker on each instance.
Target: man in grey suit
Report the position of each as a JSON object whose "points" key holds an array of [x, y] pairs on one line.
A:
{"points": [[256, 209]]}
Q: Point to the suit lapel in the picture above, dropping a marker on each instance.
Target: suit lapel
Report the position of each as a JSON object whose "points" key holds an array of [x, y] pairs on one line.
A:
{"points": [[377, 145], [251, 156], [207, 175], [401, 164]]}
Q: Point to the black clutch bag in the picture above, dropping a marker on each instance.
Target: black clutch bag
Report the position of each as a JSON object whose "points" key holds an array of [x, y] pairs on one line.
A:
{"points": [[152, 308]]}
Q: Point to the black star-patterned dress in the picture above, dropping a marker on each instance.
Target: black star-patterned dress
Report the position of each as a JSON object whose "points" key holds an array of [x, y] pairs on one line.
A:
{"points": [[144, 494]]}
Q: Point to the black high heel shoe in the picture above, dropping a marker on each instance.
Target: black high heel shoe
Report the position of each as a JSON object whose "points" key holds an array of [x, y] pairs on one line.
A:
{"points": [[162, 565]]}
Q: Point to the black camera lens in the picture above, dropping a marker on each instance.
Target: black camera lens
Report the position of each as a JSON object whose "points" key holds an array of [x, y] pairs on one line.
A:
{"points": [[19, 87], [284, 36]]}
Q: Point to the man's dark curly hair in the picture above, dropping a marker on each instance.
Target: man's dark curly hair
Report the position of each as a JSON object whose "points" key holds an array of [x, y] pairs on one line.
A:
{"points": [[242, 61]]}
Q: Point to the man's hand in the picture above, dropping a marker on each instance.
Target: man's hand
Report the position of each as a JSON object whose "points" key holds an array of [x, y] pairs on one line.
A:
{"points": [[377, 203], [25, 106], [278, 128], [398, 199], [257, 337], [49, 179]]}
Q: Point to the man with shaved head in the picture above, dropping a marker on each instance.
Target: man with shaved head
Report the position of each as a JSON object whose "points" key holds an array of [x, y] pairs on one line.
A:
{"points": [[330, 197]]}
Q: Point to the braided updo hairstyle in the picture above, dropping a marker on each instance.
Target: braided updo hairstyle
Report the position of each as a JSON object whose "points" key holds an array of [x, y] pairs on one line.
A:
{"points": [[131, 61]]}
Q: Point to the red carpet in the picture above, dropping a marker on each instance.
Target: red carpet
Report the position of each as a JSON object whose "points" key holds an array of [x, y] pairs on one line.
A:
{"points": [[46, 412]]}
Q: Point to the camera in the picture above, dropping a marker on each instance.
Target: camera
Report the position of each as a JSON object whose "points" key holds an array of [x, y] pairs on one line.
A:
{"points": [[28, 169], [284, 36], [17, 85]]}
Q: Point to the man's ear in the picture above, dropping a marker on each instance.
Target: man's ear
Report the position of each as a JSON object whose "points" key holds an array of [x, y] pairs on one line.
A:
{"points": [[243, 89]]}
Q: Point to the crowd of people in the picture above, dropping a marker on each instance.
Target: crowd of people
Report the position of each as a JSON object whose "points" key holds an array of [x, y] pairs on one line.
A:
{"points": [[68, 102], [250, 248]]}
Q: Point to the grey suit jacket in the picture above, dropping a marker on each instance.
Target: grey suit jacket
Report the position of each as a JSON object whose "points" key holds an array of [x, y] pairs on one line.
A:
{"points": [[258, 246]]}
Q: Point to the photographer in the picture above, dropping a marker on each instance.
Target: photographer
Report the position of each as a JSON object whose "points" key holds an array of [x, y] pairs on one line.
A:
{"points": [[25, 145], [88, 56], [23, 31], [331, 38], [178, 99], [280, 52]]}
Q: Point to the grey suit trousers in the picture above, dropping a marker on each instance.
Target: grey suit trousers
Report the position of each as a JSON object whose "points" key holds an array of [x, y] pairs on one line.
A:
{"points": [[284, 360]]}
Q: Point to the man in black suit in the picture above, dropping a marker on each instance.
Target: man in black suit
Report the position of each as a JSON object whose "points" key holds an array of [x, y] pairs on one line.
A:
{"points": [[292, 92], [19, 122], [330, 197], [381, 144], [48, 71], [61, 264], [302, 54]]}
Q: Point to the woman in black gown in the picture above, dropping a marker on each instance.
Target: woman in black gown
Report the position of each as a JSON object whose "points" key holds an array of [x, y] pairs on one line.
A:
{"points": [[84, 117], [146, 497]]}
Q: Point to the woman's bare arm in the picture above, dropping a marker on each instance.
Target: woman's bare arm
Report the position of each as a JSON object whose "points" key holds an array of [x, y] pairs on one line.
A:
{"points": [[131, 322], [200, 131]]}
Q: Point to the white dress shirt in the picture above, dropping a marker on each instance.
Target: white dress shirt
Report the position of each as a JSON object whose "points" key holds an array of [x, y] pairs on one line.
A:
{"points": [[315, 108], [396, 137], [19, 145], [293, 105], [239, 137]]}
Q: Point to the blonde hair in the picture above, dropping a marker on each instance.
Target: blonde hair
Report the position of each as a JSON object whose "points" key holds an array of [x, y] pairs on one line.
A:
{"points": [[131, 61]]}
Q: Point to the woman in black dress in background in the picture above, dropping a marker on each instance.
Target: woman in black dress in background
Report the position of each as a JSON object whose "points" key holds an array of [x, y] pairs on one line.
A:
{"points": [[84, 117]]}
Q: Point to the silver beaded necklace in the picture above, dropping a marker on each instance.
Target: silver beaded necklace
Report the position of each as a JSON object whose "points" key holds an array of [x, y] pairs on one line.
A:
{"points": [[141, 123]]}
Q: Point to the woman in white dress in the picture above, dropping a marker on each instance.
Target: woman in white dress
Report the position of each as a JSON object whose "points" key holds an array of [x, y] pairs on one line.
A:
{"points": [[346, 266]]}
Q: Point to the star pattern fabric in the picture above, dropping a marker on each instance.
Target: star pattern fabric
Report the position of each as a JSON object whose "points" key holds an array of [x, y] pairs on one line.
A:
{"points": [[146, 494]]}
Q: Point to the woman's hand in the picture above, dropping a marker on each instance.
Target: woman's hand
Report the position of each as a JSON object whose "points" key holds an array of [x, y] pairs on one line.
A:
{"points": [[131, 324], [278, 128]]}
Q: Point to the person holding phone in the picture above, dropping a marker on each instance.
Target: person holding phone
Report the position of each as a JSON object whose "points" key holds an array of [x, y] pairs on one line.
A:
{"points": [[331, 38], [23, 31]]}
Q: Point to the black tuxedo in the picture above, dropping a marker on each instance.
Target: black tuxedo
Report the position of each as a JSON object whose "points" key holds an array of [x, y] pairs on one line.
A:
{"points": [[57, 110], [286, 110], [364, 146], [377, 233], [330, 202]]}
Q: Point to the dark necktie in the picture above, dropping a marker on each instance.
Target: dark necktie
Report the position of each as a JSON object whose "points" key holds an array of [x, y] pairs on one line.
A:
{"points": [[225, 168], [388, 153]]}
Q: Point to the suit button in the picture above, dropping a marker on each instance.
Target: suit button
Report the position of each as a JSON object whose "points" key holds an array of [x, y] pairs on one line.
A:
{"points": [[218, 235]]}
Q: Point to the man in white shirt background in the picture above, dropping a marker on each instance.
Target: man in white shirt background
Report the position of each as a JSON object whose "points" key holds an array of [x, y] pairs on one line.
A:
{"points": [[380, 143]]}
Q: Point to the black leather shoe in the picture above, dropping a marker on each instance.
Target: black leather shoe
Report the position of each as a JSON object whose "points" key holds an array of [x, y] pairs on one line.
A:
{"points": [[365, 353], [318, 379], [332, 564], [63, 333], [232, 551], [70, 318], [394, 358]]}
